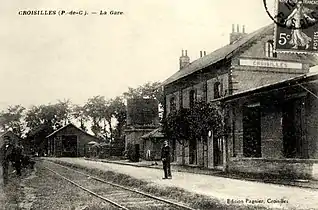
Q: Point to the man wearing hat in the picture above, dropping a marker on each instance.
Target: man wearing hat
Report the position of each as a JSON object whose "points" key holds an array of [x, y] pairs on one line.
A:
{"points": [[165, 157], [5, 155]]}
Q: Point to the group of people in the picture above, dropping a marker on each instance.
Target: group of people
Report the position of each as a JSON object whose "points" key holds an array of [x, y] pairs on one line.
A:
{"points": [[14, 154], [10, 153]]}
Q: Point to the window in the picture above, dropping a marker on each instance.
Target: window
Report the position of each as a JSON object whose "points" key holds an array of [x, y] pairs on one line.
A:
{"points": [[173, 106], [217, 90], [269, 49], [192, 98]]}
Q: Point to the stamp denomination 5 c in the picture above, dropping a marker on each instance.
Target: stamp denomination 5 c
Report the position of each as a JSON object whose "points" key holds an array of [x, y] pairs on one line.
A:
{"points": [[296, 26]]}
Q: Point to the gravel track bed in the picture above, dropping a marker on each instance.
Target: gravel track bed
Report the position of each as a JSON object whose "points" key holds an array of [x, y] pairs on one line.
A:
{"points": [[52, 192], [126, 198]]}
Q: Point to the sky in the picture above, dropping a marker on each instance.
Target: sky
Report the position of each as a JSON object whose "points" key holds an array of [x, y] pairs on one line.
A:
{"points": [[48, 58]]}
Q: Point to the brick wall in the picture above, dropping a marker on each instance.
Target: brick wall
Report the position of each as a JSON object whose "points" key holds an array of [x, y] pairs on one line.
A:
{"points": [[237, 145], [200, 91], [294, 168], [176, 95], [258, 50], [312, 126], [272, 133], [224, 80], [200, 157], [244, 79], [186, 97]]}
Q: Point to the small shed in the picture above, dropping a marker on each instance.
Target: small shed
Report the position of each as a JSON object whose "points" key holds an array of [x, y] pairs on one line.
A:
{"points": [[69, 141], [153, 142]]}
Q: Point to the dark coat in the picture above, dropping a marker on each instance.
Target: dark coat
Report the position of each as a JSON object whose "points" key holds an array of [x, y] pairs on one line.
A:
{"points": [[165, 153], [6, 154]]}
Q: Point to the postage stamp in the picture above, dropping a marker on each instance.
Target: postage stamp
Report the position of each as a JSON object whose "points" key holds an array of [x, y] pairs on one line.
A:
{"points": [[296, 26]]}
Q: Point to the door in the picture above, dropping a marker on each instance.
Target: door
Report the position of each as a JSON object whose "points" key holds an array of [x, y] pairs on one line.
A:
{"points": [[218, 151], [252, 131], [192, 152], [292, 125]]}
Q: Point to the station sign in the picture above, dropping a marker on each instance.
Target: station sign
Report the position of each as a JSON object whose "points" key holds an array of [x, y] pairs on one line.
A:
{"points": [[270, 63]]}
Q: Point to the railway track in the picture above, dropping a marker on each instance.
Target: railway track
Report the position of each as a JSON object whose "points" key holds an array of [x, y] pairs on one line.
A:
{"points": [[117, 195]]}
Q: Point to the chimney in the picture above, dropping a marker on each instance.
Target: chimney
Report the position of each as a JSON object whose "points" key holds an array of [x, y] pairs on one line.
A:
{"points": [[236, 35], [184, 60], [200, 54], [204, 53]]}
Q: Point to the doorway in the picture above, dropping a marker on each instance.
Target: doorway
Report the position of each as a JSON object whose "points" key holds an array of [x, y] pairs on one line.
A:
{"points": [[192, 152], [69, 146], [218, 151], [252, 131], [292, 125]]}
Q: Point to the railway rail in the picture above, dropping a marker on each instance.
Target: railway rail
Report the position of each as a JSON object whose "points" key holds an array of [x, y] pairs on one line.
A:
{"points": [[117, 195]]}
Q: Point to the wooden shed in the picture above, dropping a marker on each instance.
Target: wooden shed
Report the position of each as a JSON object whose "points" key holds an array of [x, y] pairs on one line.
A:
{"points": [[69, 141]]}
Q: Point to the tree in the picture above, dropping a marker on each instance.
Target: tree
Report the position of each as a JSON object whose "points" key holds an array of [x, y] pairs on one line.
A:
{"points": [[191, 124], [54, 115], [148, 90], [176, 125], [12, 119], [98, 110], [118, 110], [204, 117], [44, 119], [78, 112], [63, 111], [32, 117]]}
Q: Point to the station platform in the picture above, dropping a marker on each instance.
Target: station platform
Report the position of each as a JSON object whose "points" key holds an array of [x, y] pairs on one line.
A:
{"points": [[226, 190]]}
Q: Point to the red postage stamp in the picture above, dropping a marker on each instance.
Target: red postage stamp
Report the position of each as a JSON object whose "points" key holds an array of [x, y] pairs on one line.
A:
{"points": [[296, 26]]}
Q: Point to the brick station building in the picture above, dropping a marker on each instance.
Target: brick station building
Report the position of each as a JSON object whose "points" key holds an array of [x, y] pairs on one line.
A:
{"points": [[246, 63], [274, 128]]}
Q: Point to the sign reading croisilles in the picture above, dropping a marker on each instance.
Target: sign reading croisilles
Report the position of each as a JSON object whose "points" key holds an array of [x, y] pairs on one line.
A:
{"points": [[296, 29], [270, 63]]}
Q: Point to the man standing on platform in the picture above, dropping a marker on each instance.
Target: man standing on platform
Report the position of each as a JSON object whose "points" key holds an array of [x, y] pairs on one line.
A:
{"points": [[165, 157]]}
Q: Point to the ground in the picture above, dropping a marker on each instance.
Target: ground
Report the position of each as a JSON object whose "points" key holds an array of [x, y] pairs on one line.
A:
{"points": [[224, 189], [40, 189]]}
